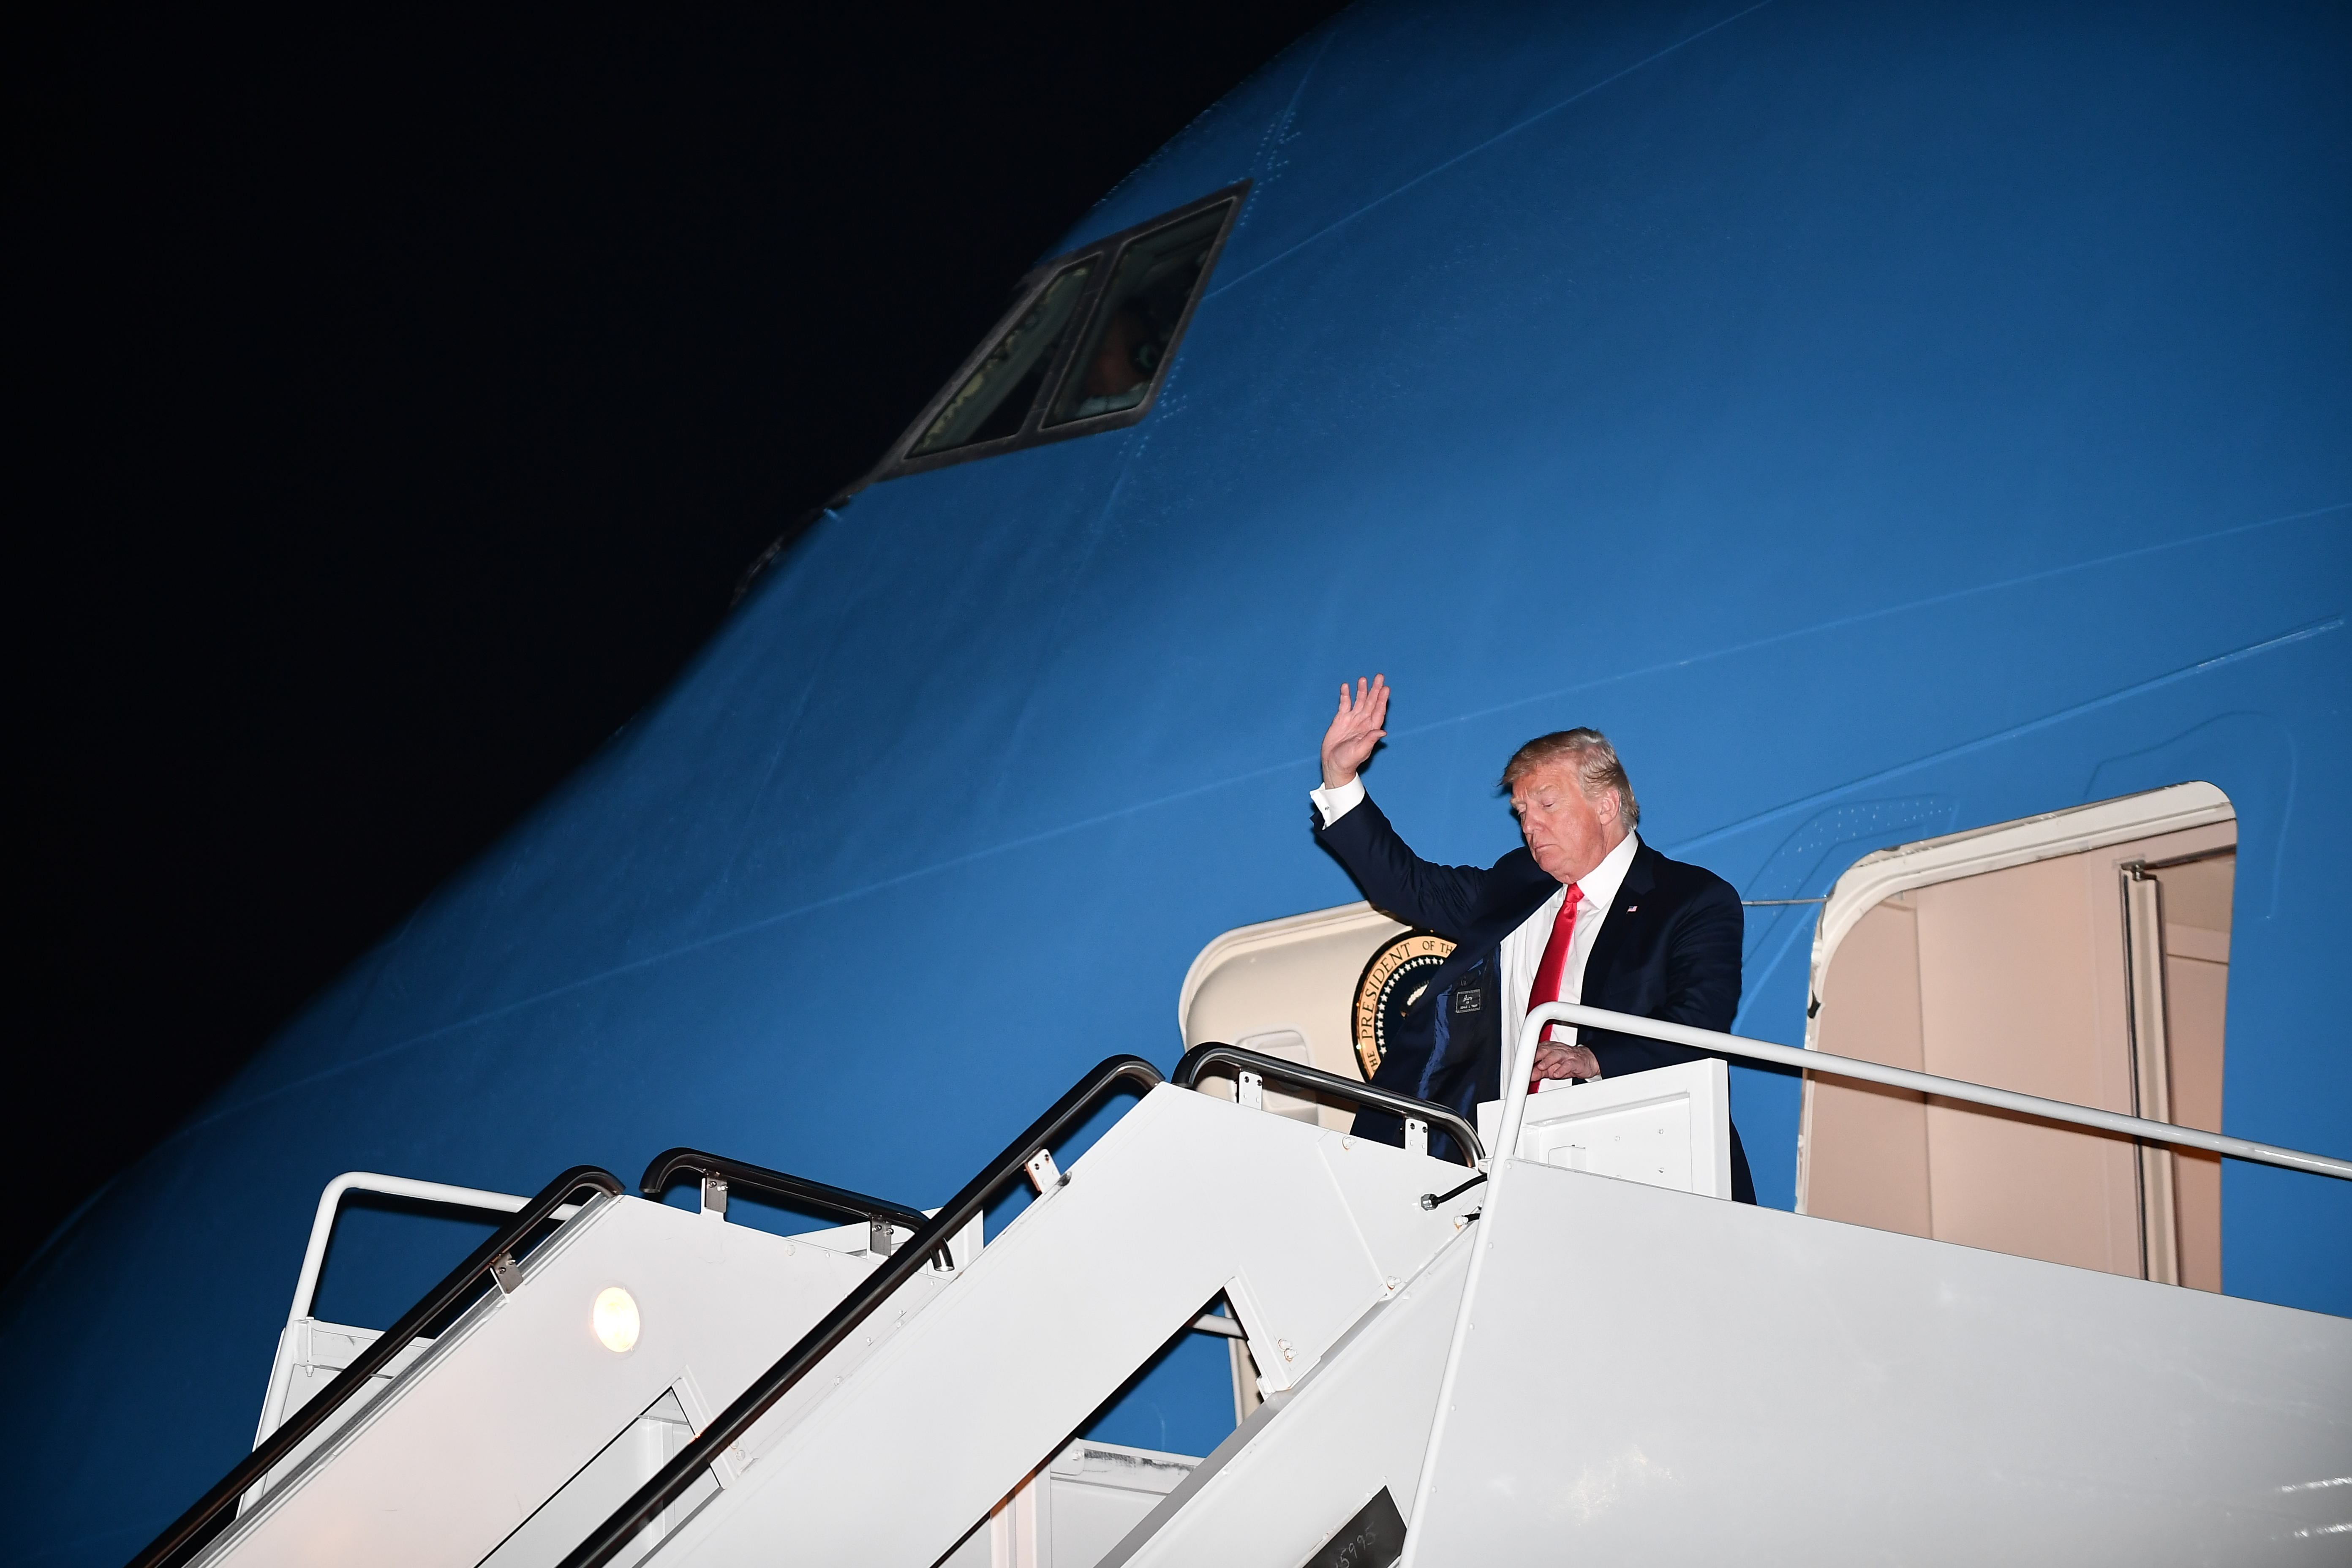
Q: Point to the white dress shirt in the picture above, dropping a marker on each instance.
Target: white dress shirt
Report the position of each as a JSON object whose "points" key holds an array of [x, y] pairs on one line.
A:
{"points": [[1523, 949]]}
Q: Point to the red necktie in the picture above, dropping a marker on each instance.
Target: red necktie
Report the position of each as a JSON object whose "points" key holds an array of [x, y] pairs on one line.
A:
{"points": [[1554, 967]]}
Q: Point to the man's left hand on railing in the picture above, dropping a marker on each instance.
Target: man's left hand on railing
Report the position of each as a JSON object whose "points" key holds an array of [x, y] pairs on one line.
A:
{"points": [[1565, 1061]]}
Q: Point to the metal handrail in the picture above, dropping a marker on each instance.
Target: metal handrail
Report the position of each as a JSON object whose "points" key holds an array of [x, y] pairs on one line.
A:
{"points": [[741, 1176], [1515, 1105], [1216, 1053], [314, 1256], [494, 1256], [672, 1480], [322, 1225]]}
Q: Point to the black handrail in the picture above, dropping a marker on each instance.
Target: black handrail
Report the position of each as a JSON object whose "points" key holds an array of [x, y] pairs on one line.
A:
{"points": [[741, 1176], [1216, 1053], [671, 1481], [494, 1256]]}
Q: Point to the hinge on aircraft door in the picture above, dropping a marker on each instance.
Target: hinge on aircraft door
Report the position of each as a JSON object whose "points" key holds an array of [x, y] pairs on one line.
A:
{"points": [[507, 1273]]}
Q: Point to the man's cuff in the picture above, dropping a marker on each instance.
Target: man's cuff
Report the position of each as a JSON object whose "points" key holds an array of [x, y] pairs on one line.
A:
{"points": [[1334, 804]]}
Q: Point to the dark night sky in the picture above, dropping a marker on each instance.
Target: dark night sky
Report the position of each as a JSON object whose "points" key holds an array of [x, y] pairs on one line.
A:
{"points": [[395, 404]]}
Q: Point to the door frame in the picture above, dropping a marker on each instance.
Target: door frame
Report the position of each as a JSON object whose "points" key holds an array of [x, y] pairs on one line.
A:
{"points": [[1885, 873]]}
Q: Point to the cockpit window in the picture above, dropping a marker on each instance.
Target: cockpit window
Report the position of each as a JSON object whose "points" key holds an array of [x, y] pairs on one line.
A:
{"points": [[994, 398], [1086, 348], [1135, 325]]}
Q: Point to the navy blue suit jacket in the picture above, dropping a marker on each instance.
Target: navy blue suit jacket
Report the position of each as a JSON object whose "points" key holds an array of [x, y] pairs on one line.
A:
{"points": [[1668, 950]]}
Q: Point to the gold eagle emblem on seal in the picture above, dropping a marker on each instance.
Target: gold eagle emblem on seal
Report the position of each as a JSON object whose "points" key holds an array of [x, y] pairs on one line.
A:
{"points": [[1399, 970]]}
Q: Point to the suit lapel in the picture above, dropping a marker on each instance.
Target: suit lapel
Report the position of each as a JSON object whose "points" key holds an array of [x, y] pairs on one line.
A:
{"points": [[1602, 962]]}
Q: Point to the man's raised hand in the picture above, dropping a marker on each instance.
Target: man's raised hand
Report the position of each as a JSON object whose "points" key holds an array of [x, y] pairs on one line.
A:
{"points": [[1355, 729]]}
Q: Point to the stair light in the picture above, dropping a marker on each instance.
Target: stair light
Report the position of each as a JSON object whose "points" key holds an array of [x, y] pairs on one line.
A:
{"points": [[615, 1319]]}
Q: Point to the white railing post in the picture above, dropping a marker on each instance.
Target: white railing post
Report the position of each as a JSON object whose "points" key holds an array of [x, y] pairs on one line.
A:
{"points": [[314, 1258], [1514, 1091]]}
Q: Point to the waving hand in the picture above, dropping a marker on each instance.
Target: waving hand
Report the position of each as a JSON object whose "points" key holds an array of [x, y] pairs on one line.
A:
{"points": [[1355, 729]]}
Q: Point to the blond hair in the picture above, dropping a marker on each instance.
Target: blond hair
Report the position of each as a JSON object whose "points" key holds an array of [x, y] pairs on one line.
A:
{"points": [[1598, 771]]}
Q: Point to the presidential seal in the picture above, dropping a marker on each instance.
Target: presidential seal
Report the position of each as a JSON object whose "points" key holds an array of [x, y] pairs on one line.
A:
{"points": [[1399, 971]]}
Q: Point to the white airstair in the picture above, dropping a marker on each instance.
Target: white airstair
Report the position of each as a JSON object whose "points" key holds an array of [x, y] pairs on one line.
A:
{"points": [[529, 1414], [508, 1434], [1646, 1376], [1581, 1349], [1628, 1370]]}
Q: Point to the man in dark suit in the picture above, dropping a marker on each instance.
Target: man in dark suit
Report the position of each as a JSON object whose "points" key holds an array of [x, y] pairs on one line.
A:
{"points": [[1585, 911]]}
